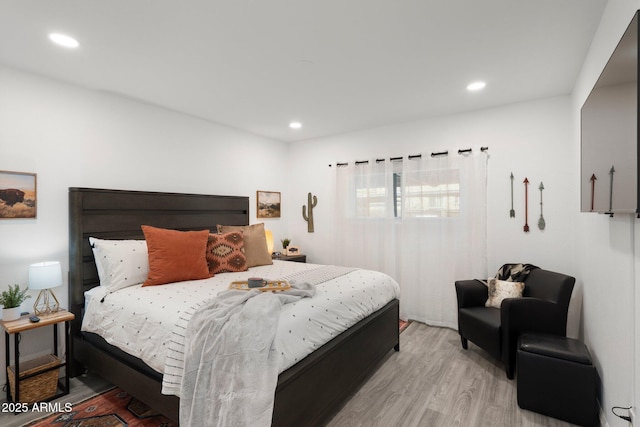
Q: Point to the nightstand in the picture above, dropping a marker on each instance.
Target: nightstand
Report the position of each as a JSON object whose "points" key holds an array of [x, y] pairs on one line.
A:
{"points": [[23, 324], [294, 258]]}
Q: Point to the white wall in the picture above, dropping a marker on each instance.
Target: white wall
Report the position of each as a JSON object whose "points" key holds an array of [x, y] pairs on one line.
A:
{"points": [[72, 137], [607, 251]]}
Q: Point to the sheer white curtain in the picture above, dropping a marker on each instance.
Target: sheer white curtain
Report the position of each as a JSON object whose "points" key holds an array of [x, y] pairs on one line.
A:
{"points": [[422, 221], [365, 223]]}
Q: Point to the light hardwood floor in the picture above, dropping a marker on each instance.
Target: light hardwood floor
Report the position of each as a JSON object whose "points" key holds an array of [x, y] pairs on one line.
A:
{"points": [[431, 382]]}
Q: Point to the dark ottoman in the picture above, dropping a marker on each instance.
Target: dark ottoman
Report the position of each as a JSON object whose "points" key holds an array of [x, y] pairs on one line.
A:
{"points": [[556, 378]]}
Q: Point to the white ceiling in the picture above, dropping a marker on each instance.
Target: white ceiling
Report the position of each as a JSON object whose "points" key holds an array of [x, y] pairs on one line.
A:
{"points": [[334, 65]]}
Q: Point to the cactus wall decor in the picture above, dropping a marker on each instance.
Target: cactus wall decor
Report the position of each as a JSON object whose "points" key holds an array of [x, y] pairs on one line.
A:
{"points": [[312, 201]]}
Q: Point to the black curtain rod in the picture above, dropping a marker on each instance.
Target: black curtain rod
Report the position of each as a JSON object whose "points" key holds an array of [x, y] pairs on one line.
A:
{"points": [[414, 156]]}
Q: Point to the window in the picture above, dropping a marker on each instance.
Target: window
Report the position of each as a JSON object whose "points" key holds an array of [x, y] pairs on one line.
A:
{"points": [[416, 194], [431, 194], [371, 195]]}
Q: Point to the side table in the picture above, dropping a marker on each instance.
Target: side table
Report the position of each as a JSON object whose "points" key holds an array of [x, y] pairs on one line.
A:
{"points": [[16, 327], [294, 258]]}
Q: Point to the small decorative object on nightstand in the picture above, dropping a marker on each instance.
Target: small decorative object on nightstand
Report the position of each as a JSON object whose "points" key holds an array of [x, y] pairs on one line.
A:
{"points": [[293, 250], [285, 244], [36, 380]]}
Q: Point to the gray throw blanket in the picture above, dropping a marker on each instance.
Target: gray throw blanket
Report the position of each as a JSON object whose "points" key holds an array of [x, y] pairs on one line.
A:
{"points": [[231, 371], [315, 276]]}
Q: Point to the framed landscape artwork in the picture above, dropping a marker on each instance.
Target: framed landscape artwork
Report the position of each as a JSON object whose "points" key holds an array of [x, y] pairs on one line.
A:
{"points": [[268, 204], [17, 195]]}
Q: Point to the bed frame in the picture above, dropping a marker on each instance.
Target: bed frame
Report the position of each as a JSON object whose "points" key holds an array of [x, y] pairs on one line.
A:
{"points": [[308, 393]]}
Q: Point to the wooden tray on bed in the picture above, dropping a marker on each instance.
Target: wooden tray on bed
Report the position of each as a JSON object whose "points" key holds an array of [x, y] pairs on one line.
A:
{"points": [[271, 286]]}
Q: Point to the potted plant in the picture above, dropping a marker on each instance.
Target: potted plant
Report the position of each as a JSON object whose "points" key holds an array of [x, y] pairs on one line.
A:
{"points": [[11, 301], [285, 244]]}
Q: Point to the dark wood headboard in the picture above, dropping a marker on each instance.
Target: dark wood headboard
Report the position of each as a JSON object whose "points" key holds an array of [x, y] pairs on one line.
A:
{"points": [[118, 214]]}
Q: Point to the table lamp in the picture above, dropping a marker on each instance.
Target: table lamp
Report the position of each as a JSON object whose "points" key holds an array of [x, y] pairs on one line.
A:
{"points": [[44, 276], [269, 236]]}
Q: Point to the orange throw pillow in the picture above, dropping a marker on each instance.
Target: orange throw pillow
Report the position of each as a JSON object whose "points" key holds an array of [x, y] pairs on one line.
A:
{"points": [[225, 253], [175, 256]]}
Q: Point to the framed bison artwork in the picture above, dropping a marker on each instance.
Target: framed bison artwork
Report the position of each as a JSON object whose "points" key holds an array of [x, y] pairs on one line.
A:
{"points": [[17, 195], [268, 204]]}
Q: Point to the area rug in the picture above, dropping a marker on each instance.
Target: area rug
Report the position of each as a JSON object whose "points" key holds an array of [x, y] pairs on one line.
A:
{"points": [[114, 408], [404, 324]]}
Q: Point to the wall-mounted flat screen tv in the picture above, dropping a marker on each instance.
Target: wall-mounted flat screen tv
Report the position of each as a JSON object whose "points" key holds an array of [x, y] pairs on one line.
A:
{"points": [[609, 133]]}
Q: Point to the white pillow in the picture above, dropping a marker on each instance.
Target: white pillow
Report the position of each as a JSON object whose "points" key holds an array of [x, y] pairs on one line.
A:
{"points": [[501, 289], [120, 263]]}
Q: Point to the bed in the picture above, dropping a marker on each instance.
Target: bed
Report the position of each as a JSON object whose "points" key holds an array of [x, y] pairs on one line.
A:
{"points": [[303, 395]]}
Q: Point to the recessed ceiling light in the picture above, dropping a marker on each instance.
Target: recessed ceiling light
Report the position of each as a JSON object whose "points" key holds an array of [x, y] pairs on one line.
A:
{"points": [[64, 40], [476, 86], [295, 125]]}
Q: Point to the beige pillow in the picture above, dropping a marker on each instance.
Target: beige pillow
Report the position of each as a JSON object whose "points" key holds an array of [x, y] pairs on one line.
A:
{"points": [[255, 243], [500, 289]]}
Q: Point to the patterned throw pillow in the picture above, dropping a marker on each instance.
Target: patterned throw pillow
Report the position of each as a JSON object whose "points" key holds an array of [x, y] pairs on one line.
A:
{"points": [[500, 289], [225, 252]]}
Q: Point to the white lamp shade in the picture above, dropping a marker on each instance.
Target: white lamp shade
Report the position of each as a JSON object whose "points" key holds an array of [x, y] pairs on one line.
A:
{"points": [[45, 275]]}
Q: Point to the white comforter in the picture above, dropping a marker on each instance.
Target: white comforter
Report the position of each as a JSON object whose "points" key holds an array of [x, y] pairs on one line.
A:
{"points": [[142, 320]]}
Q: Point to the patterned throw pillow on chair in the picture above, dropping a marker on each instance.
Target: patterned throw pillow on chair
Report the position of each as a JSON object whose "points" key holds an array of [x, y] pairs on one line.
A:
{"points": [[500, 289], [515, 272]]}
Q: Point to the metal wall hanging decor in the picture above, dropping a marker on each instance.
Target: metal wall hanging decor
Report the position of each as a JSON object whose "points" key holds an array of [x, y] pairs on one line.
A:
{"points": [[512, 212], [526, 205], [592, 181], [611, 172], [541, 222], [593, 189], [312, 201]]}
